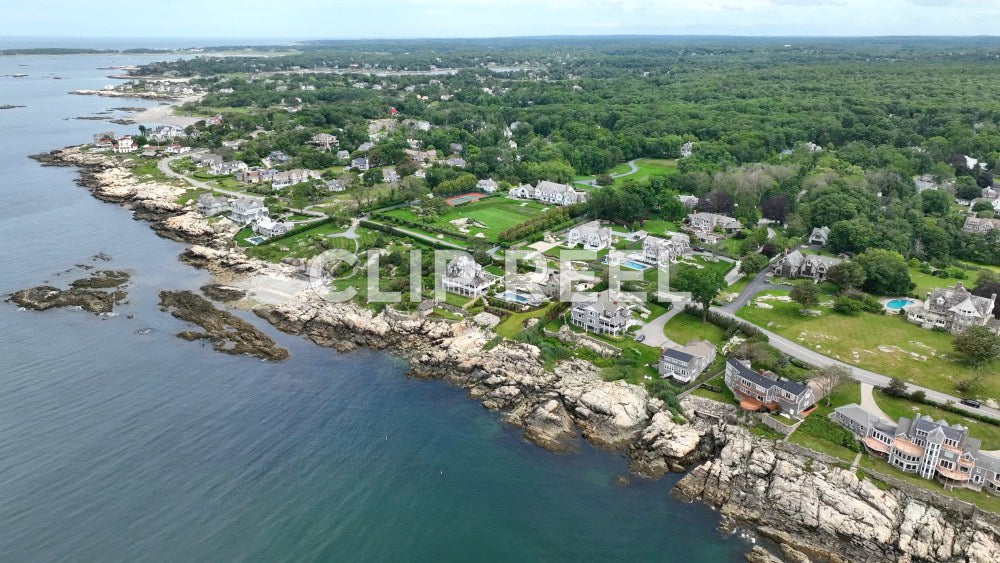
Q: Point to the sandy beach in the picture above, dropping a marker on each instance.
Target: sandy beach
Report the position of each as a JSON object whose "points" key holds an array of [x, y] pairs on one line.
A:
{"points": [[164, 114]]}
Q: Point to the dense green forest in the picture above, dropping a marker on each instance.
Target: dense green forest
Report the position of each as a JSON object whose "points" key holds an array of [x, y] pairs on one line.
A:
{"points": [[882, 111]]}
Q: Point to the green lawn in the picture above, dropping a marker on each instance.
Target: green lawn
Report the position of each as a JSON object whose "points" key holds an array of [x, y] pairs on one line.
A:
{"points": [[897, 407], [684, 328], [305, 244], [983, 500], [513, 325], [650, 167], [822, 446], [657, 227], [928, 282], [497, 214], [913, 354]]}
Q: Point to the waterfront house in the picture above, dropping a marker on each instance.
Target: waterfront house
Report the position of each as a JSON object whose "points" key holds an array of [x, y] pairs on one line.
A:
{"points": [[178, 149], [124, 145], [954, 309], [105, 140], [209, 204], [164, 133], [601, 314], [660, 251], [225, 167], [267, 227], [590, 235], [708, 222], [465, 277], [819, 236], [765, 392], [808, 266], [246, 210], [488, 185], [688, 362], [921, 445]]}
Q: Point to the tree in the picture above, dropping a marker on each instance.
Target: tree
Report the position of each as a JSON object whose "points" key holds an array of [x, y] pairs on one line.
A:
{"points": [[987, 286], [935, 202], [828, 379], [374, 176], [805, 294], [967, 188], [846, 275], [753, 263], [776, 208], [717, 201], [896, 388], [886, 273], [978, 344], [604, 180], [703, 285], [851, 236]]}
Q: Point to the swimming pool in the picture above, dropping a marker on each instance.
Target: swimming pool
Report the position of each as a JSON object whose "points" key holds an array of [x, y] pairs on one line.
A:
{"points": [[635, 265], [513, 296], [897, 304]]}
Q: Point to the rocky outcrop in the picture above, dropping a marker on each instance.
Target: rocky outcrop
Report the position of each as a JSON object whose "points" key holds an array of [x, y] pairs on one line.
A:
{"points": [[227, 332], [45, 297], [110, 179], [103, 279], [553, 407], [662, 445], [821, 508]]}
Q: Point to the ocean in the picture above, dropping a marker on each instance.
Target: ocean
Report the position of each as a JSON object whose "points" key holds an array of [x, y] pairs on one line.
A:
{"points": [[120, 441]]}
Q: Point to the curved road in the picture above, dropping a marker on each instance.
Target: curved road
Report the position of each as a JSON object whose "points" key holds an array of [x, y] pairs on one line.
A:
{"points": [[632, 170], [864, 376]]}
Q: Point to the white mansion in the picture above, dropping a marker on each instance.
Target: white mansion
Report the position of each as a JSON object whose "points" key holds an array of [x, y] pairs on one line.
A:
{"points": [[601, 314], [549, 192], [465, 277]]}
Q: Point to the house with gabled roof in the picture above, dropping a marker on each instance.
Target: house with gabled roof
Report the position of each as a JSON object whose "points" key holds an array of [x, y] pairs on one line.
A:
{"points": [[765, 392], [932, 449], [707, 222], [688, 362], [661, 251], [976, 225], [465, 277], [795, 264], [819, 236], [954, 309], [246, 210], [602, 314], [549, 192], [591, 236], [210, 204]]}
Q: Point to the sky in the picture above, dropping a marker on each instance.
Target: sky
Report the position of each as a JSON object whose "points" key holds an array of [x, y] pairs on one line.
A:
{"points": [[348, 19]]}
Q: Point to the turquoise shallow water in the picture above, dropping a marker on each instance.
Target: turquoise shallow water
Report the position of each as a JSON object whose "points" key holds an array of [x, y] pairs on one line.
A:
{"points": [[119, 441]]}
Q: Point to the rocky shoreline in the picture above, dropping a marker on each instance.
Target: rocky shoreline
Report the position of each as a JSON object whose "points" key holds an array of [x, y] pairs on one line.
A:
{"points": [[813, 508]]}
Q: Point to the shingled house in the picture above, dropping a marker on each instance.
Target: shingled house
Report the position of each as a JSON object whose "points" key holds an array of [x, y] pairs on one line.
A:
{"points": [[954, 309], [765, 392]]}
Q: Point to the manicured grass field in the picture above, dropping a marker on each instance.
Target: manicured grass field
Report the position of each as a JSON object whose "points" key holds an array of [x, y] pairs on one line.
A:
{"points": [[302, 244], [496, 213], [656, 227], [910, 353], [650, 167], [929, 282], [684, 328], [897, 407]]}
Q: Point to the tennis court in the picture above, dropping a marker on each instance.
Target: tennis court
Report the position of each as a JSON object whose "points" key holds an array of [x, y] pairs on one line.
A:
{"points": [[464, 198]]}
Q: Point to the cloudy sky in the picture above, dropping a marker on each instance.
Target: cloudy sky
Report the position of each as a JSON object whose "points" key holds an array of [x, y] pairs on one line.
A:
{"points": [[489, 18]]}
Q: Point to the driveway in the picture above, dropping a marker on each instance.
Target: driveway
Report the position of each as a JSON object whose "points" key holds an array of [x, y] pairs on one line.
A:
{"points": [[868, 401], [632, 170], [758, 284], [653, 330], [864, 376]]}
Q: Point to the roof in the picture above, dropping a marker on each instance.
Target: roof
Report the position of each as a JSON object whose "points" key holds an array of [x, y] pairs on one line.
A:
{"points": [[547, 185], [677, 355], [957, 299], [821, 231], [766, 382]]}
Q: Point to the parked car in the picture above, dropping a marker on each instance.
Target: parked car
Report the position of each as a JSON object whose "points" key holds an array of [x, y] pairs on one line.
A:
{"points": [[970, 403]]}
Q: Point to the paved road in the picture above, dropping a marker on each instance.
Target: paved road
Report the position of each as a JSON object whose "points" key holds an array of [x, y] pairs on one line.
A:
{"points": [[756, 285], [653, 330], [632, 170], [864, 376]]}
